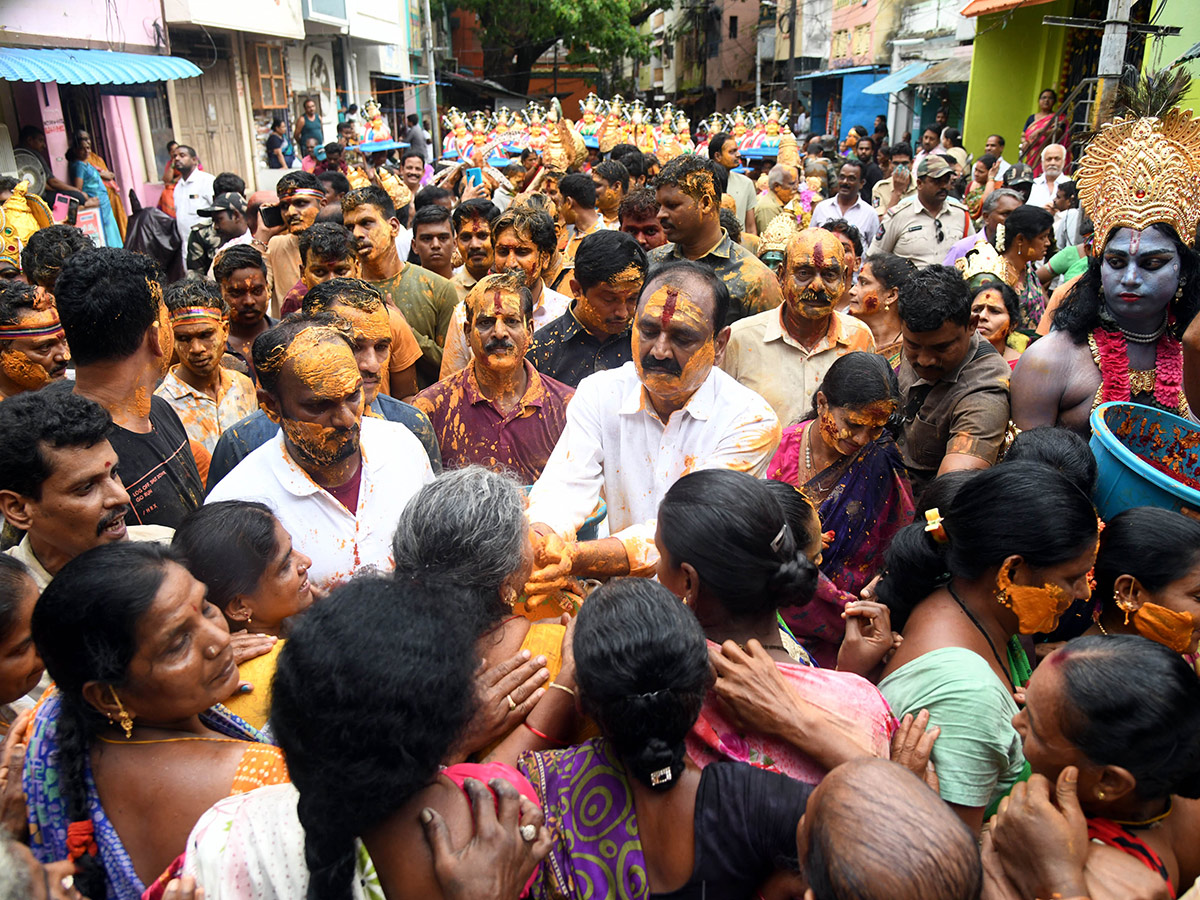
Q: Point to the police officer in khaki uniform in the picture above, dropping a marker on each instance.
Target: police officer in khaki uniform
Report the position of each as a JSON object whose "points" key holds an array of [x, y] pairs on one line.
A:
{"points": [[922, 228]]}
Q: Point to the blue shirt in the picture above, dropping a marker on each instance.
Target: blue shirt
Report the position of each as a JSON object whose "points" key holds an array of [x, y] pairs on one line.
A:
{"points": [[240, 440]]}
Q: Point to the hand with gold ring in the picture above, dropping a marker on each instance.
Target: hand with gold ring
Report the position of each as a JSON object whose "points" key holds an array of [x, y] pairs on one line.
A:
{"points": [[506, 693], [510, 838]]}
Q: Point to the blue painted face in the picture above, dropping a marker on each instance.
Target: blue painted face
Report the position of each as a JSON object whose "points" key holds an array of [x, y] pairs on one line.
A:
{"points": [[1140, 274]]}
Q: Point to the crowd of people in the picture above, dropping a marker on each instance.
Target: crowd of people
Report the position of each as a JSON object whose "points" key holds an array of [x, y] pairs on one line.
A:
{"points": [[397, 534]]}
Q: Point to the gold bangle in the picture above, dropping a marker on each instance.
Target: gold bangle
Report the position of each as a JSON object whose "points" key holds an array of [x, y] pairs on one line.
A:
{"points": [[562, 687]]}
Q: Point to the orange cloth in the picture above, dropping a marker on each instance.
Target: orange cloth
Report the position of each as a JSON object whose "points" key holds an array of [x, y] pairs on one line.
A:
{"points": [[261, 765]]}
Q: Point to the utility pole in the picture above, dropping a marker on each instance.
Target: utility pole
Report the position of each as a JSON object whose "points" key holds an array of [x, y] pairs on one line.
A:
{"points": [[433, 107], [1112, 52], [791, 62]]}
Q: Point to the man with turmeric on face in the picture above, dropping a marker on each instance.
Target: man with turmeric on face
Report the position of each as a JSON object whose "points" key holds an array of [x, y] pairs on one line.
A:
{"points": [[689, 209], [498, 412], [301, 197], [633, 431], [783, 354], [335, 480], [33, 345]]}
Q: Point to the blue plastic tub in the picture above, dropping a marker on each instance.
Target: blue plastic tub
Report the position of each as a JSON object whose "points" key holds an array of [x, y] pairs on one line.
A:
{"points": [[590, 529], [1124, 435]]}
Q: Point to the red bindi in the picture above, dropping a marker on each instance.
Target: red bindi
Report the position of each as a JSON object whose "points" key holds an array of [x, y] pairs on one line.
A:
{"points": [[496, 304], [818, 255], [669, 306]]}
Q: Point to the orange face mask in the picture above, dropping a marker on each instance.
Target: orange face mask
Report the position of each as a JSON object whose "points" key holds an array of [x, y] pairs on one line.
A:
{"points": [[1165, 626], [1038, 608]]}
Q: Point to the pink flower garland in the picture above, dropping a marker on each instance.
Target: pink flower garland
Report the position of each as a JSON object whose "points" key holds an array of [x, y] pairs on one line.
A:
{"points": [[1114, 369]]}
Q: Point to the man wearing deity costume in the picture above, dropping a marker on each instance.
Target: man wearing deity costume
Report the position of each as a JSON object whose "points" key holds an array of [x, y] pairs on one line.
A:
{"points": [[1117, 334]]}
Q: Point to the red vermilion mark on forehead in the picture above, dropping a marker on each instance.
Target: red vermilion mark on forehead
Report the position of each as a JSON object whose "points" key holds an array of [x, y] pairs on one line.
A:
{"points": [[818, 254], [669, 306], [1135, 241], [497, 306]]}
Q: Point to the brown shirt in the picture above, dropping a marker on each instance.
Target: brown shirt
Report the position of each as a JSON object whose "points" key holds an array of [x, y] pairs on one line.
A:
{"points": [[965, 412]]}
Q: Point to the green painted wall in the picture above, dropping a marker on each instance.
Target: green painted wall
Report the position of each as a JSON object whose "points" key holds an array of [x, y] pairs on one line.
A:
{"points": [[1164, 51], [1009, 67]]}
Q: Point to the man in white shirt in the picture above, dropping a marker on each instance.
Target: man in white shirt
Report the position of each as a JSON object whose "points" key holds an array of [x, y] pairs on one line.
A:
{"points": [[193, 190], [1045, 186], [632, 432], [848, 203], [994, 146], [335, 480], [723, 150], [60, 480]]}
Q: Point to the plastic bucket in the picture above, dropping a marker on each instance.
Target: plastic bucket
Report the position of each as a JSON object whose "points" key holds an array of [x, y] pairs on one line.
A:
{"points": [[1124, 437]]}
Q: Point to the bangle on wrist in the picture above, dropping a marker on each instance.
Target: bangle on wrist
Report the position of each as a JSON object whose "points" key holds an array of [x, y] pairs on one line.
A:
{"points": [[562, 687], [544, 736]]}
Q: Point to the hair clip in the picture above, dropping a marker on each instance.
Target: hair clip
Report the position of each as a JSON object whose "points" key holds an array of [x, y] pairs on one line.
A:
{"points": [[778, 541], [660, 776], [934, 525]]}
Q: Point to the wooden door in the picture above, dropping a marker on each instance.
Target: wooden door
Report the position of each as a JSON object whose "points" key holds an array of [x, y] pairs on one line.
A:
{"points": [[208, 118]]}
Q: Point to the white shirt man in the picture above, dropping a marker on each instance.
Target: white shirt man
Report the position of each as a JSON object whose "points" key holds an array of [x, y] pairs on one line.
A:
{"points": [[1045, 186], [861, 215], [616, 447], [192, 194], [394, 467]]}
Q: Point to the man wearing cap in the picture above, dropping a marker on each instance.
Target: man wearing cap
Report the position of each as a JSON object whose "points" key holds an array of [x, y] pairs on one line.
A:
{"points": [[924, 227], [228, 214], [1019, 177]]}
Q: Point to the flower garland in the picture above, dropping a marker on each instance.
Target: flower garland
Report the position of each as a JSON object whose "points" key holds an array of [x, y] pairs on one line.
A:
{"points": [[1109, 352]]}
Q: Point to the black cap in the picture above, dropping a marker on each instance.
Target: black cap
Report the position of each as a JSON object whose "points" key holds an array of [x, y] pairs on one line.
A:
{"points": [[1018, 173], [227, 202]]}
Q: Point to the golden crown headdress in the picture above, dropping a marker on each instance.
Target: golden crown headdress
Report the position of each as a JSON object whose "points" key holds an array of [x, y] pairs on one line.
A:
{"points": [[1137, 172], [779, 232], [592, 103], [983, 260]]}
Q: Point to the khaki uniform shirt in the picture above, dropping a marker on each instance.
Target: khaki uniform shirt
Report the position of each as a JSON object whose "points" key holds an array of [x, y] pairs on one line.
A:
{"points": [[965, 412], [912, 232], [762, 356], [883, 195]]}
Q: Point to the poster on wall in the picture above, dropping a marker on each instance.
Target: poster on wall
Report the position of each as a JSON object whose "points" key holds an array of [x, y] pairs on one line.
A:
{"points": [[88, 221]]}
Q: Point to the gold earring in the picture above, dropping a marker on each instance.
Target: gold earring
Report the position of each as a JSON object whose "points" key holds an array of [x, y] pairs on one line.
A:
{"points": [[125, 719], [1099, 794], [1124, 604]]}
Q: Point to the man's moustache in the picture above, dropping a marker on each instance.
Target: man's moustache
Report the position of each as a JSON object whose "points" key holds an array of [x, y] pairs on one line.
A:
{"points": [[666, 366], [112, 517], [499, 344]]}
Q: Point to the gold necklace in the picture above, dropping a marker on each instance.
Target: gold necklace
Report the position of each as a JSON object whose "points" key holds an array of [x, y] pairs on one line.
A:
{"points": [[174, 740], [1148, 823]]}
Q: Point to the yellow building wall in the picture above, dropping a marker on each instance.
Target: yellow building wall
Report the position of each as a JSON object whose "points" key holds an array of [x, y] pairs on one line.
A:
{"points": [[1010, 66], [1163, 51]]}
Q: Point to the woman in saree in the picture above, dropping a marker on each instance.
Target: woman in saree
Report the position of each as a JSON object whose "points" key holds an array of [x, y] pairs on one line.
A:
{"points": [[1046, 126], [631, 814], [849, 466], [997, 309], [244, 556], [873, 300], [141, 662], [468, 529], [726, 550], [981, 185], [1113, 723], [1013, 256], [86, 177]]}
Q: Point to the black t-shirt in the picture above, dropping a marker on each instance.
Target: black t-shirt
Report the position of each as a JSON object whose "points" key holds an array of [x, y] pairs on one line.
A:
{"points": [[158, 469], [745, 829]]}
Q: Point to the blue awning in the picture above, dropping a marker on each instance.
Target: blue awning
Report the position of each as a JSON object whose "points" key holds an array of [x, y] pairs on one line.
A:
{"points": [[90, 66], [897, 81], [838, 73]]}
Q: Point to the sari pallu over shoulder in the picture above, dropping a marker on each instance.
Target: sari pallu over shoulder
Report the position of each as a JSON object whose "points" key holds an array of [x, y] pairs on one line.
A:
{"points": [[47, 808]]}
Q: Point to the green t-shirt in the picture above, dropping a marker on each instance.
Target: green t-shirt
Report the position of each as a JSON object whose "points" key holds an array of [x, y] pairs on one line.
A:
{"points": [[978, 754], [1068, 262]]}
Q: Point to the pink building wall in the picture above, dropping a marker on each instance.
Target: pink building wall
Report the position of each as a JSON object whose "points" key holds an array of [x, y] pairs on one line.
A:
{"points": [[848, 15], [113, 25], [734, 62]]}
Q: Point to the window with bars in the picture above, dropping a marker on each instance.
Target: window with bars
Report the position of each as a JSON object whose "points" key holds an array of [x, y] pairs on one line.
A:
{"points": [[268, 82]]}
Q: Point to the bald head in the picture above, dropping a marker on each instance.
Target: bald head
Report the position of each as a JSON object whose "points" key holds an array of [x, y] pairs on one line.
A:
{"points": [[874, 831]]}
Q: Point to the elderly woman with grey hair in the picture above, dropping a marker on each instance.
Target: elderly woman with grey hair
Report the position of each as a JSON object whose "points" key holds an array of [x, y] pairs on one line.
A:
{"points": [[469, 529]]}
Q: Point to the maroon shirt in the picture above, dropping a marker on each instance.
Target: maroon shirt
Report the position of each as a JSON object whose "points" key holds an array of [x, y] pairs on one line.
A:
{"points": [[471, 431]]}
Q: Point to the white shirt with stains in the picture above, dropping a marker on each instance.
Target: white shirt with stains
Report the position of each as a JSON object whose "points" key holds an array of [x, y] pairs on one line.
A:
{"points": [[616, 448], [394, 467]]}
